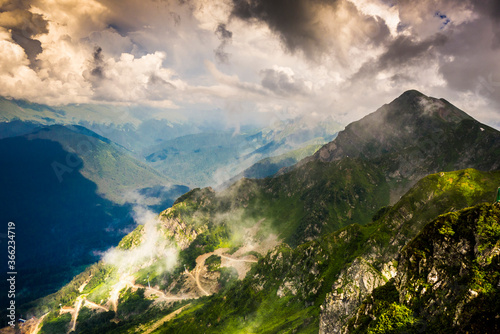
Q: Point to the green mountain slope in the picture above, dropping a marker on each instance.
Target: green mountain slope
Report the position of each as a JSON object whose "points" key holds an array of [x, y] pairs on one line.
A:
{"points": [[65, 188], [296, 289], [285, 291], [325, 233], [106, 164]]}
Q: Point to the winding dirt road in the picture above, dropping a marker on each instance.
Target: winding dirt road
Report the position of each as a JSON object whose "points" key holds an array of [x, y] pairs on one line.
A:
{"points": [[37, 327], [128, 280], [165, 319], [238, 260]]}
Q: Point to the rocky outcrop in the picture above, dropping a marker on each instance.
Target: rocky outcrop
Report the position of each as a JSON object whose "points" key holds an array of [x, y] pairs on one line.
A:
{"points": [[174, 228], [448, 279], [353, 285], [452, 262]]}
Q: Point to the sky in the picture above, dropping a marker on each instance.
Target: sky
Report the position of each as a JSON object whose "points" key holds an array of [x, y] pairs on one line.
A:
{"points": [[343, 58]]}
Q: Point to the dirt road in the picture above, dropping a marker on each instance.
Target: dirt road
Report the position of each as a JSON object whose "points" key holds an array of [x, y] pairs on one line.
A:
{"points": [[165, 319]]}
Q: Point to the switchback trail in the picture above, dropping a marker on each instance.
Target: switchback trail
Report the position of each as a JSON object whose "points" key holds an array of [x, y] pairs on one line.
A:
{"points": [[165, 319]]}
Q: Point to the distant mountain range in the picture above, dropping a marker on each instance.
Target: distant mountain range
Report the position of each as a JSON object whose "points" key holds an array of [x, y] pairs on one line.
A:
{"points": [[212, 158], [371, 234], [187, 148], [65, 187], [60, 175]]}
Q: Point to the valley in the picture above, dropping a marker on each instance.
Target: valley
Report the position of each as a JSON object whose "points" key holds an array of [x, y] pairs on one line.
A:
{"points": [[54, 164]]}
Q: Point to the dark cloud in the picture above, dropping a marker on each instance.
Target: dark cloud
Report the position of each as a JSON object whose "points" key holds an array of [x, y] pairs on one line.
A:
{"points": [[23, 25], [302, 25], [293, 20], [176, 17], [494, 12], [403, 51], [97, 63], [225, 37], [283, 83], [222, 33], [466, 52], [472, 64]]}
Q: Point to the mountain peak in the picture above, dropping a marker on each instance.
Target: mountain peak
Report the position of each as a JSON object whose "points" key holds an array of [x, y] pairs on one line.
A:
{"points": [[410, 118], [415, 104], [412, 131], [412, 93]]}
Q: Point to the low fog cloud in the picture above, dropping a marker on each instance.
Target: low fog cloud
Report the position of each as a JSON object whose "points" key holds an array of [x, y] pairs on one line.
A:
{"points": [[154, 248]]}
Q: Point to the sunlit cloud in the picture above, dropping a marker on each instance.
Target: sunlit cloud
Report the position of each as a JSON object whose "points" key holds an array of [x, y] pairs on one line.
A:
{"points": [[343, 58]]}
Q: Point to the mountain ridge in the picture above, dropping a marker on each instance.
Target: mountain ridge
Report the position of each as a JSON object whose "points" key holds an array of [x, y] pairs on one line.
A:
{"points": [[325, 234], [414, 130]]}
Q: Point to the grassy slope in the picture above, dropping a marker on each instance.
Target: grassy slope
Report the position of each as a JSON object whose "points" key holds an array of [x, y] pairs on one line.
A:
{"points": [[254, 307], [113, 169], [304, 275]]}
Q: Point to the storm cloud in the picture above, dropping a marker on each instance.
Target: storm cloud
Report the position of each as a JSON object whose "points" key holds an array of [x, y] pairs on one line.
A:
{"points": [[23, 25], [402, 52], [225, 37], [253, 57], [313, 26]]}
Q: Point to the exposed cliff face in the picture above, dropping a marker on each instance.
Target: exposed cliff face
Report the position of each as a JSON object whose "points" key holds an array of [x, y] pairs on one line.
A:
{"points": [[354, 284], [176, 229], [448, 279]]}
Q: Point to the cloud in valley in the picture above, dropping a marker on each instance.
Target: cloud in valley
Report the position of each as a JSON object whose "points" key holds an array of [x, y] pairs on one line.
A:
{"points": [[153, 247]]}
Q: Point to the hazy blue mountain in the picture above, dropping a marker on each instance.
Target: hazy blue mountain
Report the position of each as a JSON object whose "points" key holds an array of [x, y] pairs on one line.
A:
{"points": [[213, 158], [66, 188], [17, 128]]}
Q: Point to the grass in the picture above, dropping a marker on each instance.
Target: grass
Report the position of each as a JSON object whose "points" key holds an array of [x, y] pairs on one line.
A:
{"points": [[304, 275]]}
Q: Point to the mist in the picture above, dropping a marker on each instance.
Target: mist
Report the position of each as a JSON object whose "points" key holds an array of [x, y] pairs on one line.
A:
{"points": [[153, 247]]}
